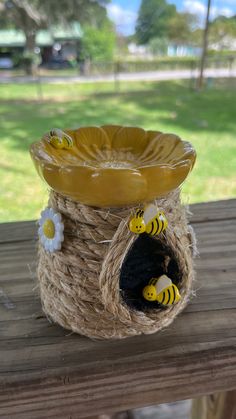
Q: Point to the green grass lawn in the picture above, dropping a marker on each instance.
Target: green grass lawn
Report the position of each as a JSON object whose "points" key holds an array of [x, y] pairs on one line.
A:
{"points": [[206, 119]]}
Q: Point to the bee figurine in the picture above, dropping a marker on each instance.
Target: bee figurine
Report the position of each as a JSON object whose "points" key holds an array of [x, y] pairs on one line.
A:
{"points": [[162, 290], [149, 220], [59, 139]]}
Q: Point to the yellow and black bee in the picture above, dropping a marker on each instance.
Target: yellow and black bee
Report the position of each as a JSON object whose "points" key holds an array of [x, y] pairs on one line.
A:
{"points": [[137, 224], [150, 220], [162, 290], [59, 139]]}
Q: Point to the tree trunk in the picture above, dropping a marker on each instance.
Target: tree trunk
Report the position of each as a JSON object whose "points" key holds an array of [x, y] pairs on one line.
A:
{"points": [[29, 52], [204, 47]]}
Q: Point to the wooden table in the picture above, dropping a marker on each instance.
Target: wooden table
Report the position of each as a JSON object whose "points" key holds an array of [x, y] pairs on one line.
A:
{"points": [[47, 372]]}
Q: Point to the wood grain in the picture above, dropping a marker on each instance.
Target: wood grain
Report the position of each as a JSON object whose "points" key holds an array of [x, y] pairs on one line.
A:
{"points": [[215, 406], [48, 372]]}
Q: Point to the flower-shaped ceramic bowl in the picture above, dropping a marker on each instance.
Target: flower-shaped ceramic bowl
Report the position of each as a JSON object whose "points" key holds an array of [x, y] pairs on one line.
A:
{"points": [[112, 166]]}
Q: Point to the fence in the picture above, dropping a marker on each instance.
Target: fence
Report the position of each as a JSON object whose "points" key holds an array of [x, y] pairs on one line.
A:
{"points": [[119, 72], [163, 64], [134, 66]]}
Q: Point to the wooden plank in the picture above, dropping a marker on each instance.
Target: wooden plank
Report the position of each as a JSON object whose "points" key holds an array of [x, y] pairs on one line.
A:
{"points": [[18, 231], [46, 371], [212, 211], [215, 267], [215, 406], [112, 385], [202, 212]]}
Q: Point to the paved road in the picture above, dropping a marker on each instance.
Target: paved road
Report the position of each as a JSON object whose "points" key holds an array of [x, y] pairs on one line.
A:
{"points": [[142, 76]]}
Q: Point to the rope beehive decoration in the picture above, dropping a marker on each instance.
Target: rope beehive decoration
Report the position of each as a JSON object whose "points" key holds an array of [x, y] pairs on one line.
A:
{"points": [[115, 247]]}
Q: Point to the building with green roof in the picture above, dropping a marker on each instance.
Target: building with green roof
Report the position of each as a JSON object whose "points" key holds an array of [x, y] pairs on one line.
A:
{"points": [[56, 41]]}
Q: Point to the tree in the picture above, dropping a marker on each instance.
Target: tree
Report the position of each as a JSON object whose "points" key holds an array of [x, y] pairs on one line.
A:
{"points": [[196, 37], [158, 46], [153, 20], [98, 43], [31, 15], [180, 27], [222, 31]]}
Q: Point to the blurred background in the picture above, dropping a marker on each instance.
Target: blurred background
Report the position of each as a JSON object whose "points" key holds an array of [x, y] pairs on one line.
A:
{"points": [[164, 65]]}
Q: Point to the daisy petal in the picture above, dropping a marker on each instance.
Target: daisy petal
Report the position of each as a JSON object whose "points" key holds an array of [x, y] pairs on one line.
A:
{"points": [[46, 245], [44, 212], [43, 239], [57, 246], [53, 244], [60, 227], [51, 247], [57, 218], [51, 212]]}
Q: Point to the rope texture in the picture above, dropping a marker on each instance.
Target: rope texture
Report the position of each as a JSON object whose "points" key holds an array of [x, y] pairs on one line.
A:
{"points": [[79, 285]]}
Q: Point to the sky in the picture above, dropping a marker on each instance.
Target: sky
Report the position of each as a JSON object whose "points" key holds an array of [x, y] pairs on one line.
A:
{"points": [[124, 12]]}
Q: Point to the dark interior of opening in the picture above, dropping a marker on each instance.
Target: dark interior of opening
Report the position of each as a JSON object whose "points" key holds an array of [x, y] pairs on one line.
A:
{"points": [[148, 258]]}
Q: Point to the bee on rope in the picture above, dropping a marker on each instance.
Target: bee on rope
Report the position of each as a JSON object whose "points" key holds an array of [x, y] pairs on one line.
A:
{"points": [[162, 290], [150, 221]]}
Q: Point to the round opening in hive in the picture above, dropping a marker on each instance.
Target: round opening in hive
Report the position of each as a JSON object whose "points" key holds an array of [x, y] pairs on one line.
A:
{"points": [[147, 258]]}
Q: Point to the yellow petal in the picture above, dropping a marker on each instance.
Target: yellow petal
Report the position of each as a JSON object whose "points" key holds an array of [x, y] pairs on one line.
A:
{"points": [[111, 130], [130, 138], [153, 134], [89, 136], [163, 179], [98, 171]]}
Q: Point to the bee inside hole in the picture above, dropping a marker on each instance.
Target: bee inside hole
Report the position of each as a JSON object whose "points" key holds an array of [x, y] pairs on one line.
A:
{"points": [[148, 258]]}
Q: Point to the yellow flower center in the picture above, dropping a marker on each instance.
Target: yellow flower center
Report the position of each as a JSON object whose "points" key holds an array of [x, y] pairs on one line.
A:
{"points": [[115, 159], [49, 228]]}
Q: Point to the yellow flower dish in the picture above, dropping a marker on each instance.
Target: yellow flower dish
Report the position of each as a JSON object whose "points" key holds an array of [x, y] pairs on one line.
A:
{"points": [[112, 166]]}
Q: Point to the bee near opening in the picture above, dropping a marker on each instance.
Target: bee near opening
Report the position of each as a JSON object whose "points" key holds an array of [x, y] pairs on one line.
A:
{"points": [[148, 258], [115, 247], [95, 285]]}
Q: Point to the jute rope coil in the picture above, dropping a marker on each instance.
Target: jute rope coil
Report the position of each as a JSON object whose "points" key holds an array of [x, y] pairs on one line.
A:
{"points": [[79, 285]]}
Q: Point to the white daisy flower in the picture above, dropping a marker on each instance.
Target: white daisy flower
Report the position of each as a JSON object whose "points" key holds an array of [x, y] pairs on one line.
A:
{"points": [[51, 230]]}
